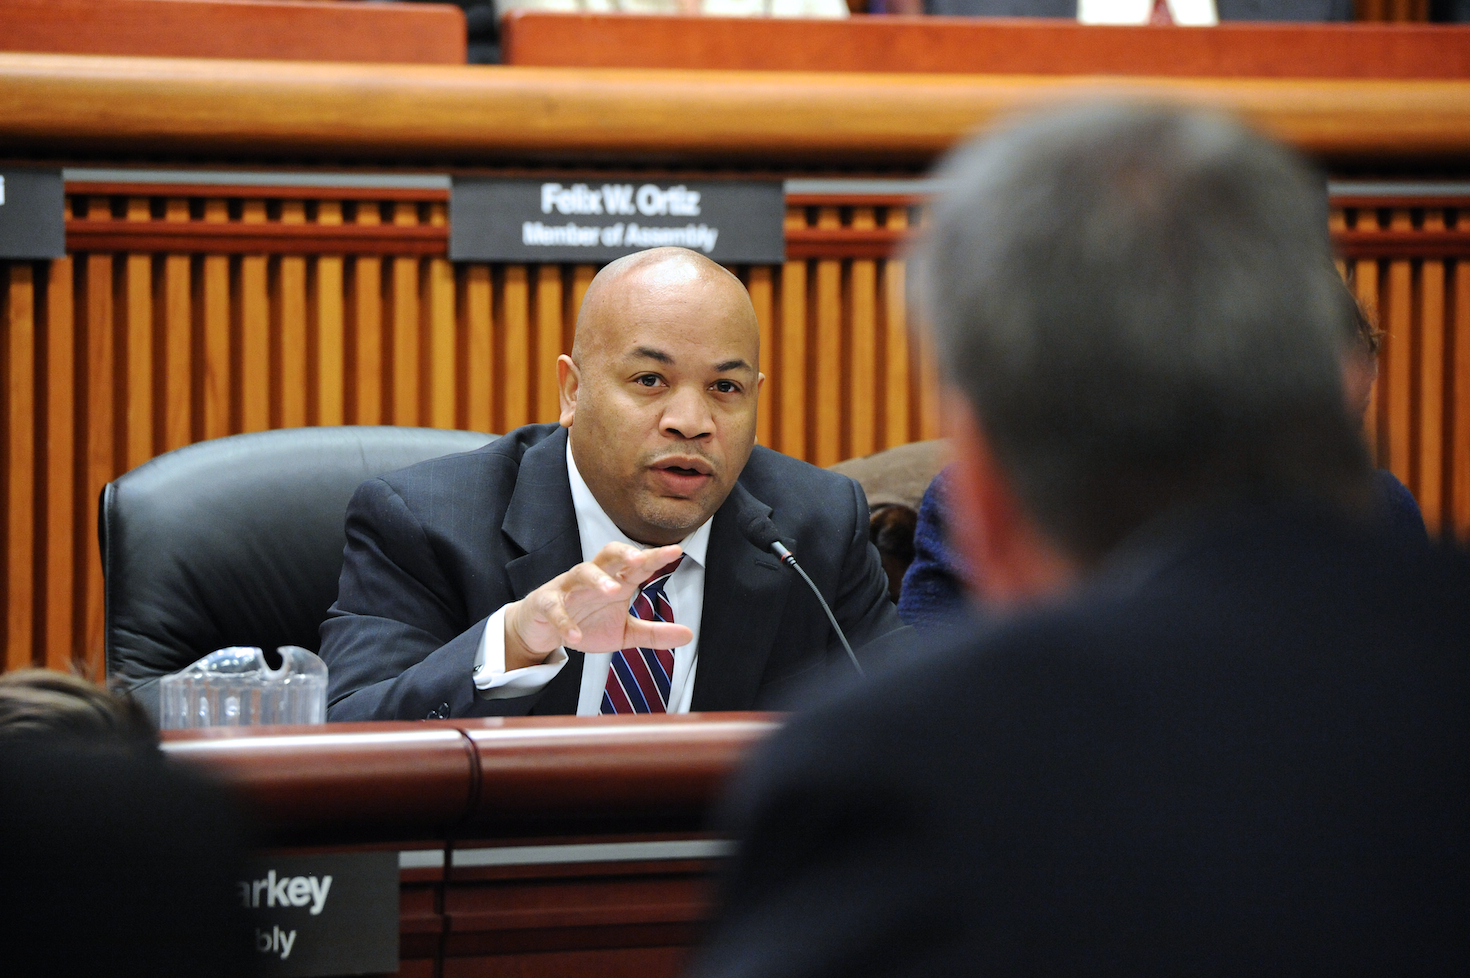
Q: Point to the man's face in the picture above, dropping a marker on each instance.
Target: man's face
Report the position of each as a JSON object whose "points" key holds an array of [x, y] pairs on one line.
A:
{"points": [[662, 405]]}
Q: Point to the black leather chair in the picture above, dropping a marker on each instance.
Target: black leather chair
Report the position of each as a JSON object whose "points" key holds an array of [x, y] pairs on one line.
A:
{"points": [[237, 541]]}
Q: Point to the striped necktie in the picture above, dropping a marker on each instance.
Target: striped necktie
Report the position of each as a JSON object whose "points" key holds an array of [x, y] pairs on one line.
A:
{"points": [[639, 679]]}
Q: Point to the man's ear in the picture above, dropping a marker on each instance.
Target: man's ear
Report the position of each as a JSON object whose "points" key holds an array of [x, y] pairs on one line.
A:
{"points": [[568, 380], [1012, 561]]}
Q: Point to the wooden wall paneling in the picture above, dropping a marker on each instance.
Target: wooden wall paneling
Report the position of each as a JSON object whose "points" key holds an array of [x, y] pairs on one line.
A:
{"points": [[791, 368], [548, 343], [1398, 358], [1032, 46], [366, 329], [862, 303], [102, 455], [19, 356], [176, 306], [1459, 462], [252, 298], [827, 386], [897, 357], [225, 29], [289, 347], [443, 345], [479, 346], [214, 309], [326, 327], [136, 337], [1430, 435], [64, 556], [404, 318], [515, 325], [759, 283]]}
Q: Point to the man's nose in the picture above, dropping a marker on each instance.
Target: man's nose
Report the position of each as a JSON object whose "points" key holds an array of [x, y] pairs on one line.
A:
{"points": [[687, 414]]}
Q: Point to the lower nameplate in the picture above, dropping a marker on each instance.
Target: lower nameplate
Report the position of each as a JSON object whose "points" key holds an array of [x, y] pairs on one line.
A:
{"points": [[324, 915]]}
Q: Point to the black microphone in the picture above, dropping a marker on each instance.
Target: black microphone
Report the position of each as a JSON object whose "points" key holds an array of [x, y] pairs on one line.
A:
{"points": [[757, 527]]}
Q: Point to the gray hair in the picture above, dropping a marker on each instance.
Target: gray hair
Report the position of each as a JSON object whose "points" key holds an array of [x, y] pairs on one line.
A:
{"points": [[1139, 304]]}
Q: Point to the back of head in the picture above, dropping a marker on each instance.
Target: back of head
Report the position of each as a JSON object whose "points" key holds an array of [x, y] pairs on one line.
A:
{"points": [[45, 704], [1139, 305]]}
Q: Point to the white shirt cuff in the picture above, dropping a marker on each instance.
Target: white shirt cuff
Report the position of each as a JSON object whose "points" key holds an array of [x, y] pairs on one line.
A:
{"points": [[493, 682]]}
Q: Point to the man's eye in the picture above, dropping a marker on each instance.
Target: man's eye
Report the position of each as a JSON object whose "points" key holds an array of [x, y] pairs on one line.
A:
{"points": [[647, 380], [727, 387]]}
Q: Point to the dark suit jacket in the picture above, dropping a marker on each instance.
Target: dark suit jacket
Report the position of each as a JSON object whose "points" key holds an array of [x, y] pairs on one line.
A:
{"points": [[1243, 750], [435, 549]]}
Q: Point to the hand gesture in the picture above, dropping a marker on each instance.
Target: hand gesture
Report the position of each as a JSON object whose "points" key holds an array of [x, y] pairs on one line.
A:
{"points": [[587, 609]]}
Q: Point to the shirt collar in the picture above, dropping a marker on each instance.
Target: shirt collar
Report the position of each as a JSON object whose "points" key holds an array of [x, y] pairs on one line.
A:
{"points": [[598, 529]]}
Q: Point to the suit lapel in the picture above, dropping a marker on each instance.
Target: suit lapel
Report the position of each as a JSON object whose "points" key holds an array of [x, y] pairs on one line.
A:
{"points": [[542, 522], [744, 596]]}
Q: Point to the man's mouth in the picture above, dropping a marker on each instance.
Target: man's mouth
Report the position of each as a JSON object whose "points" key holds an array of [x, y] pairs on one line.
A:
{"points": [[682, 475]]}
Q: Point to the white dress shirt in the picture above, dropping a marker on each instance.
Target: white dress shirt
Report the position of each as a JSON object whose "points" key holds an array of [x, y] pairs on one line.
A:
{"points": [[685, 591]]}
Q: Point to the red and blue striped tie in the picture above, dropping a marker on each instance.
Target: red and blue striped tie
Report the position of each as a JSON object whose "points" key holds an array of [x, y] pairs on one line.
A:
{"points": [[639, 679]]}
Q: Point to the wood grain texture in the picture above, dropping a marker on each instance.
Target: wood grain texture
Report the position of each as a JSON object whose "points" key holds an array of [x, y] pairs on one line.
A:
{"points": [[19, 355], [482, 330], [254, 110], [985, 46], [415, 33]]}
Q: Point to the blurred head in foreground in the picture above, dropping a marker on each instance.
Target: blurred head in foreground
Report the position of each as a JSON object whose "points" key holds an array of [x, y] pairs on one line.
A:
{"points": [[114, 861], [1137, 312], [44, 703]]}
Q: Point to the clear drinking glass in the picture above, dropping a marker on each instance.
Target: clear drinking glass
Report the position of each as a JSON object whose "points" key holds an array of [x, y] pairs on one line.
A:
{"points": [[236, 687]]}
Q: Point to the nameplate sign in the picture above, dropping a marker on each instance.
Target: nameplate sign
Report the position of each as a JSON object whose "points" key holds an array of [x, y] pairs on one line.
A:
{"points": [[595, 220], [323, 915], [32, 214]]}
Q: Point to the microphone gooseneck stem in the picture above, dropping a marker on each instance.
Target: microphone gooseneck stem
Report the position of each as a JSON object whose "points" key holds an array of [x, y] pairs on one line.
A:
{"points": [[789, 559]]}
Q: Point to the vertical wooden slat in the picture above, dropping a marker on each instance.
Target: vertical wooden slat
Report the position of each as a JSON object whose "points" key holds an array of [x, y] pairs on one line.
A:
{"points": [[62, 641], [255, 332], [791, 377], [367, 329], [20, 465], [827, 437], [442, 340], [863, 342], [479, 348], [1431, 427], [327, 295], [516, 326], [178, 343], [102, 450], [1460, 424], [762, 297], [548, 342], [291, 326], [214, 307], [404, 282], [137, 335], [1398, 349], [896, 356]]}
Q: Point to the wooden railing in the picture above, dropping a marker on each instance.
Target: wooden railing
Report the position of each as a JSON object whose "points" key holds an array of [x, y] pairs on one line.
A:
{"points": [[532, 846]]}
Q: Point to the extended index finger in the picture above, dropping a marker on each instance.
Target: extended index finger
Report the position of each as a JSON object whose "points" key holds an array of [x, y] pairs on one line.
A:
{"points": [[634, 566]]}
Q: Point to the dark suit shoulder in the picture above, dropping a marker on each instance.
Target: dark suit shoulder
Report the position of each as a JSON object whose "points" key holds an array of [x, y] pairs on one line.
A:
{"points": [[799, 492]]}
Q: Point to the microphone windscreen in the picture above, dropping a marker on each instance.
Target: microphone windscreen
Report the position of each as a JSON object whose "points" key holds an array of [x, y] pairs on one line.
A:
{"points": [[759, 530]]}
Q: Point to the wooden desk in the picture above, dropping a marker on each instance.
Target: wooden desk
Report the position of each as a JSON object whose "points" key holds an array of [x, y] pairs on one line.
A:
{"points": [[536, 846]]}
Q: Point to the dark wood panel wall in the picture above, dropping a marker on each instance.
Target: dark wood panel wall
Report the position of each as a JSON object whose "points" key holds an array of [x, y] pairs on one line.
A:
{"points": [[189, 313]]}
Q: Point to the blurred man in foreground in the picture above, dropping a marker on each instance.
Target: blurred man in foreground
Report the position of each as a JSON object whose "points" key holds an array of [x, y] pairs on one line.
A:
{"points": [[1219, 723]]}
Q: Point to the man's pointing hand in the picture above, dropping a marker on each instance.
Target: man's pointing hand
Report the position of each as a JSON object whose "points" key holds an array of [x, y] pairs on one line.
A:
{"points": [[587, 608]]}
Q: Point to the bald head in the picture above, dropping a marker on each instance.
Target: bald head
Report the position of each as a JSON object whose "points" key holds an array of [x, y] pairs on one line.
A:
{"points": [[658, 276], [660, 391]]}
